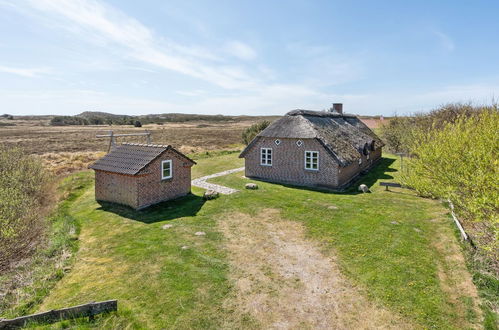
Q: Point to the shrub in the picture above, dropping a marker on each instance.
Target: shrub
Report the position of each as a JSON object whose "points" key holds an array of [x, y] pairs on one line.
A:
{"points": [[459, 160], [398, 132], [23, 184], [137, 124], [252, 131]]}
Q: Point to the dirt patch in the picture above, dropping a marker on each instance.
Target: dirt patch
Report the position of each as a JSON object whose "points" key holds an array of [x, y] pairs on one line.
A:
{"points": [[283, 281], [455, 279]]}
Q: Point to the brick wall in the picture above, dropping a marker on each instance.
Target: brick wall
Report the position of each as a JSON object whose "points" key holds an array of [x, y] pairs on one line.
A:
{"points": [[347, 173], [147, 187], [116, 188], [288, 163], [152, 189]]}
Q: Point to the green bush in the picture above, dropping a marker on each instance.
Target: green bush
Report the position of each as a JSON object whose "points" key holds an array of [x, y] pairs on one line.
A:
{"points": [[252, 131], [460, 160], [23, 194], [398, 132]]}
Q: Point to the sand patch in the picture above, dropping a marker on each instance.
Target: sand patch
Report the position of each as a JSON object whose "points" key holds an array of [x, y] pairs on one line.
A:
{"points": [[283, 281]]}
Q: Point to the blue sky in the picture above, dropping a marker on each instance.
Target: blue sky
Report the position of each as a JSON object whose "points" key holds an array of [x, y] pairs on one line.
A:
{"points": [[245, 57]]}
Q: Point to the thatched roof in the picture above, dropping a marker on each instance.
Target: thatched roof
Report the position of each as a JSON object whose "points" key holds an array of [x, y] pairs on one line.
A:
{"points": [[342, 135], [131, 158]]}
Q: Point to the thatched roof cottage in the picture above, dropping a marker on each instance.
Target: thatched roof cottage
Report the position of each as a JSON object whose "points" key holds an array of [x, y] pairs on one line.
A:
{"points": [[313, 148]]}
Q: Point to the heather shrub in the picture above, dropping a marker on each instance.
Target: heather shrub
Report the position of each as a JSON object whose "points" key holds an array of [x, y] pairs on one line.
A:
{"points": [[23, 197]]}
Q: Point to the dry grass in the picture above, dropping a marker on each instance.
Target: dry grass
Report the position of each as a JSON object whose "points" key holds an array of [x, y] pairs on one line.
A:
{"points": [[68, 162], [283, 281], [189, 137]]}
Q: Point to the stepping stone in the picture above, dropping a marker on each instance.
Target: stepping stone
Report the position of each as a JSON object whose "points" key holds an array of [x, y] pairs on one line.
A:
{"points": [[200, 233], [394, 223], [332, 207], [210, 194], [418, 230], [251, 186], [185, 247], [167, 226]]}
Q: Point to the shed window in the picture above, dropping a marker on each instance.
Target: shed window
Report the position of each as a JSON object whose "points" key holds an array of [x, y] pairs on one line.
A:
{"points": [[312, 160], [277, 142], [266, 156], [166, 169], [299, 143]]}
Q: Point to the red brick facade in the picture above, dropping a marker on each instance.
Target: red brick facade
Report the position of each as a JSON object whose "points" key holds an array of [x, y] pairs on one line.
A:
{"points": [[146, 187], [288, 164]]}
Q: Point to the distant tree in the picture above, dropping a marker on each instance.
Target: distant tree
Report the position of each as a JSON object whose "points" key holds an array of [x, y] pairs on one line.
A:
{"points": [[137, 124], [7, 116], [252, 131]]}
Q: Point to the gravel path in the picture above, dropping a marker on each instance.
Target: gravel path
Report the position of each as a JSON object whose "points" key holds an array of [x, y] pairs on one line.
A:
{"points": [[201, 182]]}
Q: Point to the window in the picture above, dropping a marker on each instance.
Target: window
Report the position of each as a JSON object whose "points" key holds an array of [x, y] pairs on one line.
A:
{"points": [[366, 149], [266, 156], [373, 145], [299, 143], [312, 160], [277, 142], [166, 169]]}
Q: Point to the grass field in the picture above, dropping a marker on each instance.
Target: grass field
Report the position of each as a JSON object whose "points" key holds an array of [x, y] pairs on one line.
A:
{"points": [[393, 256]]}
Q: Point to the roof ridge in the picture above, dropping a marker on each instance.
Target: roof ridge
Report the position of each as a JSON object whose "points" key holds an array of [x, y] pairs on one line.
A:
{"points": [[146, 145]]}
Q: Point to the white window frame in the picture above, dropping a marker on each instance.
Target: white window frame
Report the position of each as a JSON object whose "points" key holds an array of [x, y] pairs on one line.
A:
{"points": [[163, 177], [313, 155], [267, 159]]}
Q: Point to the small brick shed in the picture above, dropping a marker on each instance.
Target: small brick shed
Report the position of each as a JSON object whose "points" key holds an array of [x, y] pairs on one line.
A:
{"points": [[140, 175]]}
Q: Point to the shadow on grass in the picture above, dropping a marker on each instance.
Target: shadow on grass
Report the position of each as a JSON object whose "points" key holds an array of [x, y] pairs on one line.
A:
{"points": [[378, 172], [185, 206]]}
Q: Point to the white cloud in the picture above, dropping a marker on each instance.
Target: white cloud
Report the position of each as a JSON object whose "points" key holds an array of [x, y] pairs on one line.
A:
{"points": [[106, 25], [445, 41], [240, 50], [25, 72]]}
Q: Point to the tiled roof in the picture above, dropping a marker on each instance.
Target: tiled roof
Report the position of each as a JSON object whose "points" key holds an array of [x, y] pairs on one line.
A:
{"points": [[131, 158], [342, 135]]}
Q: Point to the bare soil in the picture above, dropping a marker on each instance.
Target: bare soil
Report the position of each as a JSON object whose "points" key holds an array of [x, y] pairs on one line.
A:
{"points": [[283, 281]]}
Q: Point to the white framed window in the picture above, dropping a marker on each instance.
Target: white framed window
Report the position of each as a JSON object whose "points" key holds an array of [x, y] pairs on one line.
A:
{"points": [[299, 143], [312, 160], [266, 156], [277, 142], [166, 169]]}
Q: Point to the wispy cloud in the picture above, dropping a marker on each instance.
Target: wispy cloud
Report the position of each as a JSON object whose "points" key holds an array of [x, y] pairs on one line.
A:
{"points": [[241, 50], [445, 41], [25, 72], [97, 21]]}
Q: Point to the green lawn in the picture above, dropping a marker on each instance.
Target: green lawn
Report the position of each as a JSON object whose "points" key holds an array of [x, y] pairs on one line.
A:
{"points": [[126, 255]]}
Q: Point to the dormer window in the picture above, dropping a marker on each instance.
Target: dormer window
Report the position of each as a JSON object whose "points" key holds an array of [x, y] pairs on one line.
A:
{"points": [[365, 150]]}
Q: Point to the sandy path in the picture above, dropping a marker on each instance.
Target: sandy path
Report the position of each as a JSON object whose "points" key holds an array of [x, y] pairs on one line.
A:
{"points": [[201, 182], [283, 281]]}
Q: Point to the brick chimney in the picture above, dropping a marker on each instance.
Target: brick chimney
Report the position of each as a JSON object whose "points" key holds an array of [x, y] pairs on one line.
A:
{"points": [[337, 107]]}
